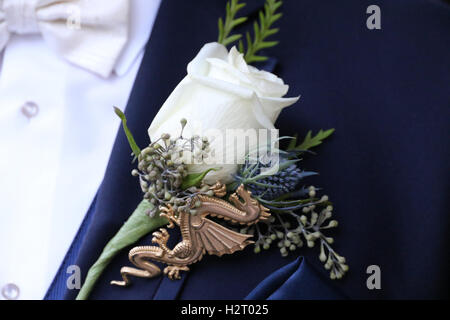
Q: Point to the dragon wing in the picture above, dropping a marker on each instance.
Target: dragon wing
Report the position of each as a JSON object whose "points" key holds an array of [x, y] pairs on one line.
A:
{"points": [[218, 240]]}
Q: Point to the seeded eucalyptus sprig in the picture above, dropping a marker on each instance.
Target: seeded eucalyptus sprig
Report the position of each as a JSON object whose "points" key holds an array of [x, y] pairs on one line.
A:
{"points": [[163, 173], [298, 216], [231, 21], [292, 229], [262, 30]]}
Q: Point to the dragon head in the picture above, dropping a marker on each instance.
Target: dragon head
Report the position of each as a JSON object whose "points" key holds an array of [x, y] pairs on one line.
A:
{"points": [[248, 204]]}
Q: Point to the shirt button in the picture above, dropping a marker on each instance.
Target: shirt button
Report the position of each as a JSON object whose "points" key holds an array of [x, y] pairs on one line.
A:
{"points": [[30, 109], [10, 291]]}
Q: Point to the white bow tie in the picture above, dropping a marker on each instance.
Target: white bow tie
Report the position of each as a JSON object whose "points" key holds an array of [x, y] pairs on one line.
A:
{"points": [[88, 33]]}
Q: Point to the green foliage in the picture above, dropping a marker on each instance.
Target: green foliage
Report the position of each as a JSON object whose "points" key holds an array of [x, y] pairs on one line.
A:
{"points": [[231, 21], [293, 228], [138, 225], [194, 179], [292, 143], [310, 141], [128, 133], [262, 30]]}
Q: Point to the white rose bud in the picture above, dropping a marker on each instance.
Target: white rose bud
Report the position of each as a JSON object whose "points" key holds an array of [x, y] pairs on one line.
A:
{"points": [[221, 92]]}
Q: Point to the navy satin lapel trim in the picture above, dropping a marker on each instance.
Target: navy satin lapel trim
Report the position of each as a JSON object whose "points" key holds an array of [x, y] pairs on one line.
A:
{"points": [[163, 66], [274, 281], [297, 280]]}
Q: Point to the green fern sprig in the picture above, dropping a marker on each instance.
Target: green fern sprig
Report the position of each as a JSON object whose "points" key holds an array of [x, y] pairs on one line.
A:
{"points": [[231, 22], [262, 30], [310, 141]]}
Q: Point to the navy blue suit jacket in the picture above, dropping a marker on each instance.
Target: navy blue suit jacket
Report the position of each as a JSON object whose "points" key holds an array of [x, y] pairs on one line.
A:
{"points": [[386, 169]]}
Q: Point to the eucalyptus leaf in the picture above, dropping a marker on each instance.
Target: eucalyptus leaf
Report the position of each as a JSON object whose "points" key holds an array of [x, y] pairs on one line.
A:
{"points": [[138, 225], [128, 133], [195, 179]]}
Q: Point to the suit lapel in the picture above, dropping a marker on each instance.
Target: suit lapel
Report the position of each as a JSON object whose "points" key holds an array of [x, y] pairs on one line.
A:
{"points": [[180, 30]]}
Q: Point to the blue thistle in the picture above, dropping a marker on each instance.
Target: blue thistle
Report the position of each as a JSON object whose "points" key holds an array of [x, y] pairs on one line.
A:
{"points": [[270, 187]]}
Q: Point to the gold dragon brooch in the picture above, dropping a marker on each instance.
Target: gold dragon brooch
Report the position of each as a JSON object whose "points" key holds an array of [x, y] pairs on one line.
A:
{"points": [[199, 235]]}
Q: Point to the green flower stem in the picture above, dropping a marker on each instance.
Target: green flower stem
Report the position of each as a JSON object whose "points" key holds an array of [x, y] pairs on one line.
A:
{"points": [[138, 225]]}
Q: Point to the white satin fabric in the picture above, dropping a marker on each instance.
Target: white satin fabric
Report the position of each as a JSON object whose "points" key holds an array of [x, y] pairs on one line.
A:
{"points": [[90, 34], [52, 164]]}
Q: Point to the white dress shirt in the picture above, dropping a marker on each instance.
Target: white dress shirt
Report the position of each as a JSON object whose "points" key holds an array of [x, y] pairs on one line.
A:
{"points": [[57, 129]]}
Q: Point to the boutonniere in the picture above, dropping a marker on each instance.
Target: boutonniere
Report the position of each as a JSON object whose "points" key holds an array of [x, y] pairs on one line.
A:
{"points": [[223, 195]]}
